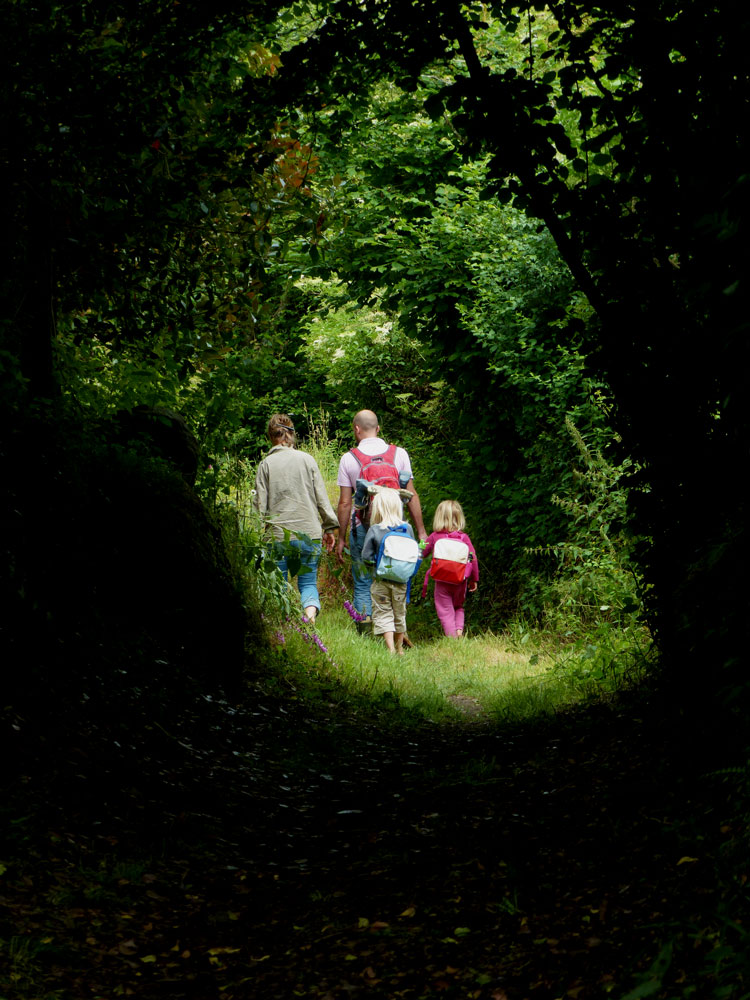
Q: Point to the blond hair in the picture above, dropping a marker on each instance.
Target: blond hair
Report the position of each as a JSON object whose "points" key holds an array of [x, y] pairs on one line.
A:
{"points": [[281, 430], [449, 516], [386, 508]]}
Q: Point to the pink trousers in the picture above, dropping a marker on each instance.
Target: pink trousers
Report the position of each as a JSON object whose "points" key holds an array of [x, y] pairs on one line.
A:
{"points": [[449, 604]]}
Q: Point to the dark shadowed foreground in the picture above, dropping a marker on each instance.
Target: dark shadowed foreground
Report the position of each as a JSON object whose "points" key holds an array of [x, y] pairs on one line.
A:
{"points": [[278, 855]]}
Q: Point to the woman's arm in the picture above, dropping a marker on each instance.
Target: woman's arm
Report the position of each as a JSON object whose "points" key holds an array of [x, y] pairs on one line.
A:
{"points": [[325, 510], [261, 489]]}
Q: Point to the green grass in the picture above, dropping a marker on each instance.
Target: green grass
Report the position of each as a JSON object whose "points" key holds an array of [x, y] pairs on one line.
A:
{"points": [[24, 970], [439, 679], [324, 450]]}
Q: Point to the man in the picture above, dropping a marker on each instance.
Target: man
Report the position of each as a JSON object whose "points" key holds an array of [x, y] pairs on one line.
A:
{"points": [[366, 434]]}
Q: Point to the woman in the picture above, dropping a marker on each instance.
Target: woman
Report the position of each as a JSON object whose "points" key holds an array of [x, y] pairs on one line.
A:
{"points": [[291, 494]]}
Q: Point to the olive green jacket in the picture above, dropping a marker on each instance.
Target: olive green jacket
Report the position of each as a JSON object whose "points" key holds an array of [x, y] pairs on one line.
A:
{"points": [[290, 493]]}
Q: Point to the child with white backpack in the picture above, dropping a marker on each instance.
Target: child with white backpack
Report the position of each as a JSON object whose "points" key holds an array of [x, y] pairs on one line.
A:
{"points": [[454, 566], [390, 545]]}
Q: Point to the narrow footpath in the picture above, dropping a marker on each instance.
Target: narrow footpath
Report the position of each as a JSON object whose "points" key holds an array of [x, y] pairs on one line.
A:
{"points": [[295, 856]]}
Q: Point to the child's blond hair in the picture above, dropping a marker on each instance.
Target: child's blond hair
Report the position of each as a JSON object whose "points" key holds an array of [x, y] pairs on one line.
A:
{"points": [[449, 516], [386, 508]]}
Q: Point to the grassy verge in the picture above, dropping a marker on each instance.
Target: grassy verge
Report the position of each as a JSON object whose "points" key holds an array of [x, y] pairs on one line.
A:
{"points": [[509, 676]]}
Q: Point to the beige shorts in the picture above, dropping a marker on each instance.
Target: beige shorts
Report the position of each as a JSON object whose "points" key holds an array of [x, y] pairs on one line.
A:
{"points": [[388, 607]]}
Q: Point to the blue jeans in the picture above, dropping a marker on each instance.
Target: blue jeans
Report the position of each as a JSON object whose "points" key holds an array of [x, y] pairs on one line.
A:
{"points": [[307, 579], [361, 574]]}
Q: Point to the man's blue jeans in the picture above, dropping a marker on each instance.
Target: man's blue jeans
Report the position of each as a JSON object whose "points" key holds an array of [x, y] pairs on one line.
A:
{"points": [[361, 574], [307, 580]]}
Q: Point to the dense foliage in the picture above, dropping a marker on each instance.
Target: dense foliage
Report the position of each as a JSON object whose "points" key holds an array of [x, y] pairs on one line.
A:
{"points": [[149, 188], [624, 132], [502, 227]]}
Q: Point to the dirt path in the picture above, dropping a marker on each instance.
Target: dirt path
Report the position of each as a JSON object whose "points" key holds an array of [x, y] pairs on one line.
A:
{"points": [[322, 857], [470, 707]]}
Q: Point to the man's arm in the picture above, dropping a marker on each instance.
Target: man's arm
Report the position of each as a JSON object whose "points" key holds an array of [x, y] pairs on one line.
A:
{"points": [[415, 511], [344, 511]]}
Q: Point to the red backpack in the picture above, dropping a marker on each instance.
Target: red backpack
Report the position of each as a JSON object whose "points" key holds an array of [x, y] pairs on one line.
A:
{"points": [[451, 558], [379, 469]]}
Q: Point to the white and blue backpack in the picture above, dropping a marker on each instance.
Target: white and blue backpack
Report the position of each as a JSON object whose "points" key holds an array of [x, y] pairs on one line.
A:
{"points": [[398, 555]]}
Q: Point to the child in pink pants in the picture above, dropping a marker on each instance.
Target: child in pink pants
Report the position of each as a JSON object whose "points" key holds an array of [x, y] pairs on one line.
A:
{"points": [[449, 522]]}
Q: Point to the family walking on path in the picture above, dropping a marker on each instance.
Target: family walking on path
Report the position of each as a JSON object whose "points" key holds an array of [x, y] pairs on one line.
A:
{"points": [[375, 482]]}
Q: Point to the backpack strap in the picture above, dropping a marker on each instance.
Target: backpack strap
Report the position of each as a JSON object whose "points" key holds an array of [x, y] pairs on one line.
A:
{"points": [[389, 456], [396, 529], [360, 456]]}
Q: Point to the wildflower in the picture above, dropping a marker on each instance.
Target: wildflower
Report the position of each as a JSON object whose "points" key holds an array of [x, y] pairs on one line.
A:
{"points": [[353, 613]]}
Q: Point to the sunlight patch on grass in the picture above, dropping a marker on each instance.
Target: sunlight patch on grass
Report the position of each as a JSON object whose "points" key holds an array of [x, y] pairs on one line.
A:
{"points": [[435, 677]]}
